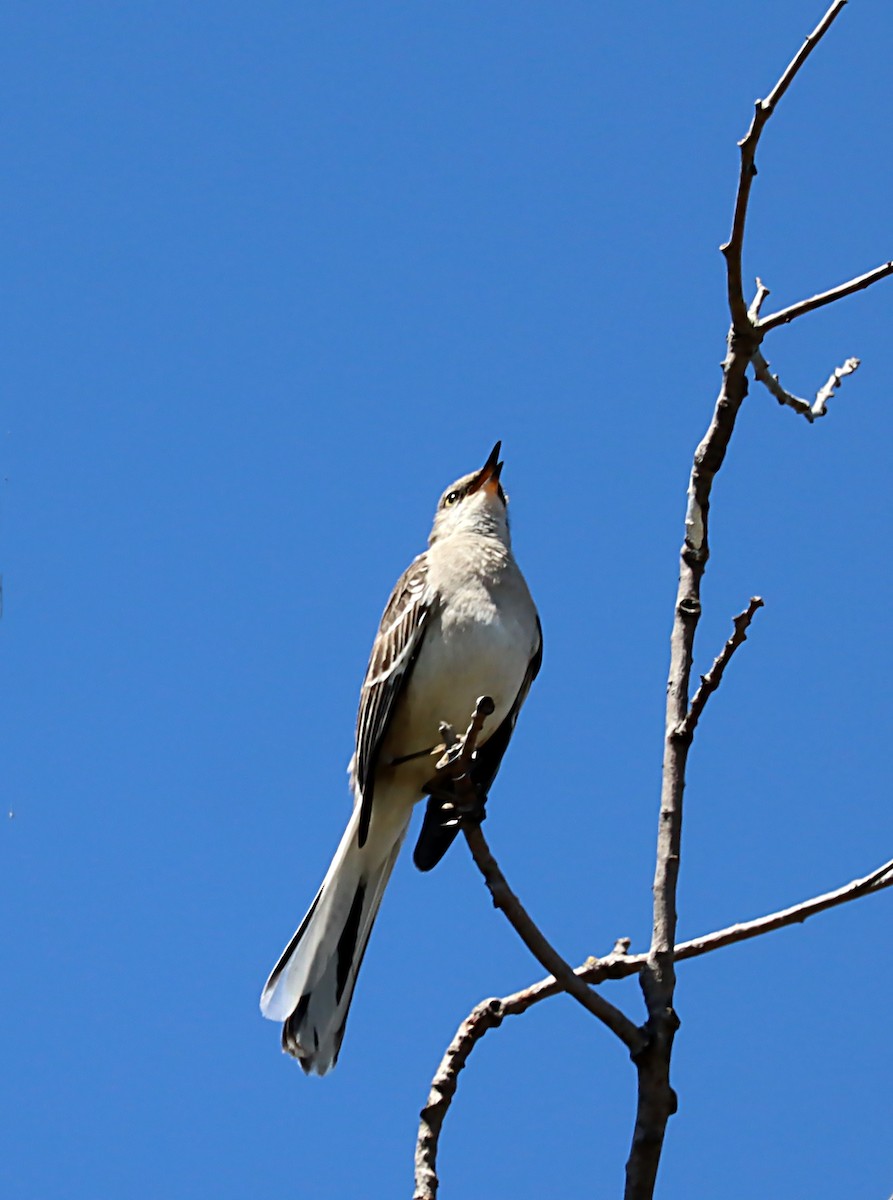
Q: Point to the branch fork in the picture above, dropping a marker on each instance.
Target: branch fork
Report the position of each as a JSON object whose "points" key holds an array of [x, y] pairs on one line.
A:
{"points": [[711, 681], [454, 766], [619, 964]]}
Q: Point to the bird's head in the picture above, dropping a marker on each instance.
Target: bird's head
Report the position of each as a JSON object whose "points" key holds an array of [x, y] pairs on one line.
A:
{"points": [[476, 503]]}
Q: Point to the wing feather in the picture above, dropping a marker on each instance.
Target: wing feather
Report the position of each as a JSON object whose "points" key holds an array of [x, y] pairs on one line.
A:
{"points": [[394, 652]]}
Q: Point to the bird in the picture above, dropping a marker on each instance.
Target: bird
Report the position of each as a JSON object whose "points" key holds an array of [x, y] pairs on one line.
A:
{"points": [[460, 624]]}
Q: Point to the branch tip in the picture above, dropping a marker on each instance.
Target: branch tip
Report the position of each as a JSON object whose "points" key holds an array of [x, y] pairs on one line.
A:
{"points": [[811, 411], [711, 681], [762, 111], [785, 315], [757, 303]]}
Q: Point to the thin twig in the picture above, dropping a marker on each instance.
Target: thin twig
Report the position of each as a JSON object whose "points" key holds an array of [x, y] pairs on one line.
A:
{"points": [[711, 681], [875, 881], [819, 407], [486, 1015], [455, 767], [489, 1014], [458, 753], [757, 303], [620, 965], [784, 315], [823, 395], [542, 950], [809, 44], [763, 110]]}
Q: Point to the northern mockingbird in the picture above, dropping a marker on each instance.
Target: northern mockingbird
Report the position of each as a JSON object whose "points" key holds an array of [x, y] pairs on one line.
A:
{"points": [[459, 624]]}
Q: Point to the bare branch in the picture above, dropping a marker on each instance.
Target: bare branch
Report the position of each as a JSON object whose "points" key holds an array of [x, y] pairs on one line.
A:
{"points": [[876, 881], [486, 1015], [620, 965], [757, 303], [819, 406], [542, 950], [824, 394], [656, 1099], [784, 315], [455, 767], [810, 43], [489, 1014], [711, 681], [763, 110], [458, 753]]}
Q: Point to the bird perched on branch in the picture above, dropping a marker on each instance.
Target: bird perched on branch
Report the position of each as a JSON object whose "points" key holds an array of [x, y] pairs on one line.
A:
{"points": [[460, 624]]}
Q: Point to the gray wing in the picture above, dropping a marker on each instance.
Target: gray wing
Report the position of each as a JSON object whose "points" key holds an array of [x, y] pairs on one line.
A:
{"points": [[394, 652]]}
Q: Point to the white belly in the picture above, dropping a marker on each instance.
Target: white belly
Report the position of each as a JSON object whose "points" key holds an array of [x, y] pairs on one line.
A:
{"points": [[464, 655]]}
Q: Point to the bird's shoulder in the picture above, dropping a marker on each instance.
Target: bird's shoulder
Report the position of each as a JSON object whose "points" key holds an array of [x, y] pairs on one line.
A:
{"points": [[405, 612]]}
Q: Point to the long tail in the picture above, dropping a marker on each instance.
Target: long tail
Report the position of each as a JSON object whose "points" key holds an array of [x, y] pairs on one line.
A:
{"points": [[311, 986]]}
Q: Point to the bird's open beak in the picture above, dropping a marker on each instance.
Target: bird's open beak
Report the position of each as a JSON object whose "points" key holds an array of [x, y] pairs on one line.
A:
{"points": [[488, 476]]}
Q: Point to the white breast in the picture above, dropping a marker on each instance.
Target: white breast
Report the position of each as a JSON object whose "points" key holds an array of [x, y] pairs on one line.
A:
{"points": [[480, 644]]}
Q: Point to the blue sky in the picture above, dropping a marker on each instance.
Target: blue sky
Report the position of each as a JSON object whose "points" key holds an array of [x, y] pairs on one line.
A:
{"points": [[275, 276]]}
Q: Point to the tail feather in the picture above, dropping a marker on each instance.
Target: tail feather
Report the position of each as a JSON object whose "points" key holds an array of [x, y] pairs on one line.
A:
{"points": [[311, 987], [435, 836]]}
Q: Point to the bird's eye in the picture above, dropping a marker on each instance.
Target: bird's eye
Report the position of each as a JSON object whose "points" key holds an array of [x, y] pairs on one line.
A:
{"points": [[450, 498]]}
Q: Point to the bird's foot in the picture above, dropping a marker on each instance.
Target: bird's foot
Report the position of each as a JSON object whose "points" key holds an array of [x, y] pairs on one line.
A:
{"points": [[455, 808], [460, 799]]}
